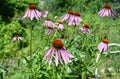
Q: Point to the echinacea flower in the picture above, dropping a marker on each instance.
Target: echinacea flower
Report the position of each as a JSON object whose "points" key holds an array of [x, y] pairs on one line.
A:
{"points": [[32, 12], [74, 19], [59, 52], [103, 46], [106, 11], [48, 23], [60, 25], [49, 31], [17, 37], [85, 29]]}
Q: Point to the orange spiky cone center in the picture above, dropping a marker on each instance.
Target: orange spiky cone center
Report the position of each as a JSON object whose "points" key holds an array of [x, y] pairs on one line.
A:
{"points": [[86, 25], [60, 22], [48, 19], [71, 12], [77, 13], [57, 44], [32, 6], [105, 41], [107, 6]]}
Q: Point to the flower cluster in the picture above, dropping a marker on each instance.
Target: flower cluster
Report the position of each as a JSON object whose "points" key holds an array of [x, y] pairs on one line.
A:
{"points": [[58, 50], [73, 18]]}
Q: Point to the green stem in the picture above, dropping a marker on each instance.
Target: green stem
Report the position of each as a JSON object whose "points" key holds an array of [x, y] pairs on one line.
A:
{"points": [[54, 35], [97, 59], [30, 43], [103, 24], [56, 72]]}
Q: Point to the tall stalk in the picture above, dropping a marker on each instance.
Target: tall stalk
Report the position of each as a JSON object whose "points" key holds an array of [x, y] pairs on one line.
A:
{"points": [[30, 43], [97, 60]]}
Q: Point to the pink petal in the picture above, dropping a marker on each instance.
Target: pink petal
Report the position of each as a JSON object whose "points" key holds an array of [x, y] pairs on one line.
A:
{"points": [[59, 55], [36, 15], [29, 13], [71, 19], [26, 14], [39, 14], [65, 17], [48, 52], [50, 60], [99, 13], [63, 56], [56, 58], [107, 13], [69, 54], [102, 12], [32, 15], [106, 48]]}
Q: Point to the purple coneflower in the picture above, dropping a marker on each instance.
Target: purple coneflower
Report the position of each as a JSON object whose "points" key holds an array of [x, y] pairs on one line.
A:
{"points": [[66, 16], [85, 29], [106, 11], [60, 25], [59, 52], [32, 12], [48, 23], [49, 31], [103, 46], [17, 37], [74, 19]]}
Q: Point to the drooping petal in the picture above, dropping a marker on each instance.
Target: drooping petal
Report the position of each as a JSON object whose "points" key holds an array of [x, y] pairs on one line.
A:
{"points": [[106, 47], [100, 12], [63, 56], [32, 15], [69, 54], [65, 17], [107, 13], [100, 46], [60, 57], [26, 14], [39, 14], [56, 58], [50, 60], [48, 52], [71, 19], [35, 15]]}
